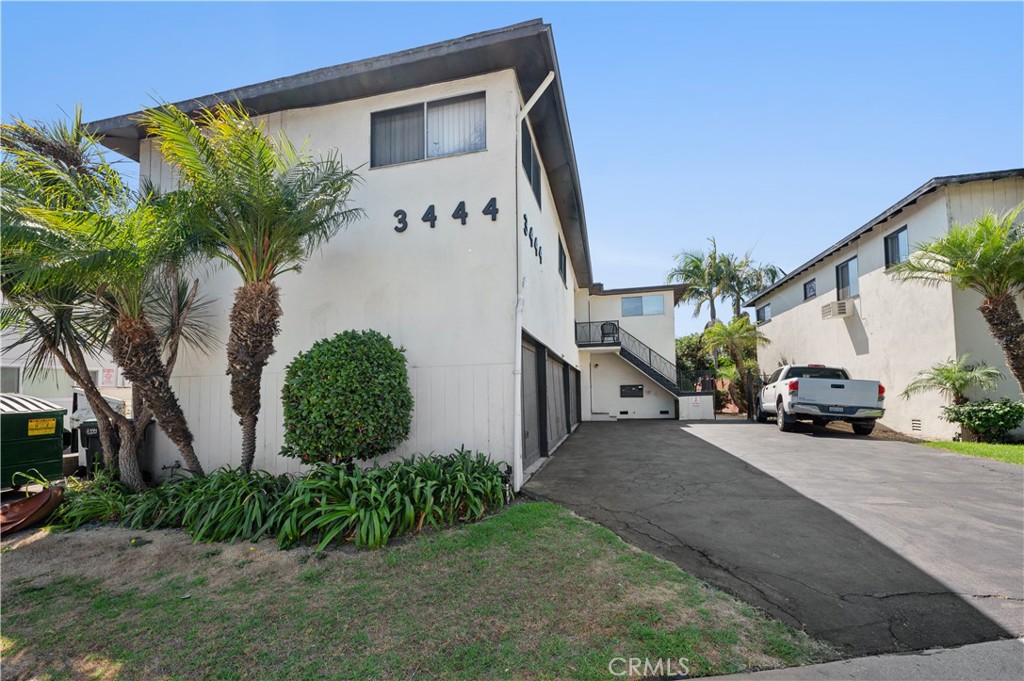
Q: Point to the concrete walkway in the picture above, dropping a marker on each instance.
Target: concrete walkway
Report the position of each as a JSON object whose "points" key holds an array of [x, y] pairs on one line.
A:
{"points": [[874, 546], [992, 661]]}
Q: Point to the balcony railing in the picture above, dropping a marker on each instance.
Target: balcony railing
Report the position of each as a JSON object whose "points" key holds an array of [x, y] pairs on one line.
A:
{"points": [[595, 334]]}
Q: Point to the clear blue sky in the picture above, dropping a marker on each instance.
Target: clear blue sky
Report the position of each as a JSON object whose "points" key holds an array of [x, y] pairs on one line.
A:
{"points": [[777, 128]]}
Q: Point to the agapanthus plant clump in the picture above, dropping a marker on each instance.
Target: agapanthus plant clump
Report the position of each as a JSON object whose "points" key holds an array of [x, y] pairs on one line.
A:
{"points": [[332, 504]]}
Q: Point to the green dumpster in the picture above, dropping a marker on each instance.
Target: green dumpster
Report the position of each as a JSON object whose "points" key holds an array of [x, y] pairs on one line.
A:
{"points": [[31, 438]]}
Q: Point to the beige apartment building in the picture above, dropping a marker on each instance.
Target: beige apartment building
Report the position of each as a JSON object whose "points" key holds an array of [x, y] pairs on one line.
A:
{"points": [[473, 255], [842, 308]]}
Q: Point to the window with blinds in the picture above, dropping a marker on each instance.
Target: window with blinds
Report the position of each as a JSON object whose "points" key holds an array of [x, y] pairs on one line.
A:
{"points": [[444, 127], [531, 163]]}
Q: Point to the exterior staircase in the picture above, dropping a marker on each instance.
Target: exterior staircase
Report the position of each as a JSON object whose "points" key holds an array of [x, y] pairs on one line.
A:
{"points": [[653, 365]]}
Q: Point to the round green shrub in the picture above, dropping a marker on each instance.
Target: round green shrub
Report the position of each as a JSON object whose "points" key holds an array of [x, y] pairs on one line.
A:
{"points": [[346, 398], [990, 421]]}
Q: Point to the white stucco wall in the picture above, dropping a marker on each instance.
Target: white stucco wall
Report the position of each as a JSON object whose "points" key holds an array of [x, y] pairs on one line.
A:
{"points": [[655, 331], [602, 374], [548, 307], [446, 294], [897, 329]]}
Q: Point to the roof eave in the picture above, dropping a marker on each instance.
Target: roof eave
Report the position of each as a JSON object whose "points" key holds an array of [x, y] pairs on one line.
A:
{"points": [[910, 199], [528, 48]]}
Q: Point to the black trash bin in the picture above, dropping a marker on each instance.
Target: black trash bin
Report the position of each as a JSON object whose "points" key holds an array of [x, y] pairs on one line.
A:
{"points": [[90, 435], [89, 432]]}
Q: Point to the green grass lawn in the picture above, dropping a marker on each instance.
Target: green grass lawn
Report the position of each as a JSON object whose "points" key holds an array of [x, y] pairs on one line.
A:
{"points": [[1007, 453], [533, 592]]}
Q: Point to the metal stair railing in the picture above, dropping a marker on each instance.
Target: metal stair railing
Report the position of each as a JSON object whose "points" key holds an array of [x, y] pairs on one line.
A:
{"points": [[612, 333]]}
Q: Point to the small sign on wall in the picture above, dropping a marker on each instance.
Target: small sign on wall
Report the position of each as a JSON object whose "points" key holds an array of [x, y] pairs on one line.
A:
{"points": [[108, 378], [631, 390]]}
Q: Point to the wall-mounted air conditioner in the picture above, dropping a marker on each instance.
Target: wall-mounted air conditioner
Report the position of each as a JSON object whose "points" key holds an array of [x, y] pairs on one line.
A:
{"points": [[837, 309]]}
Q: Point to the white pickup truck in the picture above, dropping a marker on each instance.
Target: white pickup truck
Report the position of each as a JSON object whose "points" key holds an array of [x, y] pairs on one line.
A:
{"points": [[820, 394]]}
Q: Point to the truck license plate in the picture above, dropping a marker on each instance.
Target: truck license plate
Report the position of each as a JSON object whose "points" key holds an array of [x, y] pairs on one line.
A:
{"points": [[836, 410]]}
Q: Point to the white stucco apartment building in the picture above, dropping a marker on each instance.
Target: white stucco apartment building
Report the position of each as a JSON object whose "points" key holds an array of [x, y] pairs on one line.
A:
{"points": [[473, 255], [842, 308]]}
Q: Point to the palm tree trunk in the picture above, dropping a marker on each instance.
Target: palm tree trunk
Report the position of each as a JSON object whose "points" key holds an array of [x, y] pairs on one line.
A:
{"points": [[136, 349], [1005, 323], [255, 319]]}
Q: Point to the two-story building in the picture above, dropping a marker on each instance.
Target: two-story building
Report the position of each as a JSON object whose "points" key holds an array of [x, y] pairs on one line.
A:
{"points": [[842, 308], [473, 255]]}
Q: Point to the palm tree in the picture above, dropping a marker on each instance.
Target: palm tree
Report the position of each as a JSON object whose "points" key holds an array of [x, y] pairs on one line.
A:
{"points": [[953, 378], [986, 256], [73, 227], [704, 275], [264, 209], [735, 273], [738, 340], [760, 276]]}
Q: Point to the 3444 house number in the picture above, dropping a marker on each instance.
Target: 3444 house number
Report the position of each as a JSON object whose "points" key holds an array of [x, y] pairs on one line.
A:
{"points": [[460, 214]]}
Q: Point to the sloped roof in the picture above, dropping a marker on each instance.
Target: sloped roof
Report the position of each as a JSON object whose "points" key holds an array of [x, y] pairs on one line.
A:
{"points": [[909, 200], [528, 48]]}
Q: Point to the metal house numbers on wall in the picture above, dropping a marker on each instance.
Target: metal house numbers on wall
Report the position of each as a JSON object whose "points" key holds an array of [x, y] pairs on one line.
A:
{"points": [[430, 215], [538, 250]]}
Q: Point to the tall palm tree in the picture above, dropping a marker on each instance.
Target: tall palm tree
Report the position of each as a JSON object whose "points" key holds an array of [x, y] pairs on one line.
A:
{"points": [[986, 256], [264, 208], [735, 274], [953, 378], [704, 275], [65, 228]]}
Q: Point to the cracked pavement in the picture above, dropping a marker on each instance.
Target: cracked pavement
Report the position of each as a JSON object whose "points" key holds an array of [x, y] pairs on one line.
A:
{"points": [[872, 545]]}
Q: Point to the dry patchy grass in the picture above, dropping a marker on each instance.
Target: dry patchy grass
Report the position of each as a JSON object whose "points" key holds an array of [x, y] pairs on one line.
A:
{"points": [[531, 593]]}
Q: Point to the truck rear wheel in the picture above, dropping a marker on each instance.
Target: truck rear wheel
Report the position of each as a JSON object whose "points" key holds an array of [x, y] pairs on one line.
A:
{"points": [[863, 427], [785, 423]]}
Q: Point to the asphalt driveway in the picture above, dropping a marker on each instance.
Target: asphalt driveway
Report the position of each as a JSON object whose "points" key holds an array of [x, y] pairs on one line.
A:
{"points": [[875, 546]]}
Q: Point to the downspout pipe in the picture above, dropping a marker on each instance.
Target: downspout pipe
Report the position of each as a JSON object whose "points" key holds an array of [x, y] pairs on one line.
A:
{"points": [[517, 370]]}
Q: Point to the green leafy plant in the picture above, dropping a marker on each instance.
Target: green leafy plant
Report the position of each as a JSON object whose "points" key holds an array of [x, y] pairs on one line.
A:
{"points": [[227, 505], [346, 398], [346, 503], [98, 500], [990, 421], [334, 503], [953, 378]]}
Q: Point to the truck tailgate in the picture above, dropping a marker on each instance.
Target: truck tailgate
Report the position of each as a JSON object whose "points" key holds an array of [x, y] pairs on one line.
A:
{"points": [[829, 391]]}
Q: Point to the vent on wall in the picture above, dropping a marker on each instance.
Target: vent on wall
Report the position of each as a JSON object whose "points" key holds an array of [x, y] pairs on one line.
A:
{"points": [[915, 425], [837, 309]]}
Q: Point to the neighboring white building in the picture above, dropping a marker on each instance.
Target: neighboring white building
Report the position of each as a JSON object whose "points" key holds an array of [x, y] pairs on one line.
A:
{"points": [[473, 253], [842, 308], [52, 383]]}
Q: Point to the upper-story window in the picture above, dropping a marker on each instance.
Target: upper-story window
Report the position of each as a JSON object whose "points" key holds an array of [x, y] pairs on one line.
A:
{"points": [[764, 313], [444, 127], [531, 162], [897, 247], [10, 379], [642, 306], [846, 279], [562, 266], [810, 289]]}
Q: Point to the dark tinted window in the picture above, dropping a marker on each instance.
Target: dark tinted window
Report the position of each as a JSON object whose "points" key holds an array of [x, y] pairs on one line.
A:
{"points": [[817, 372], [810, 289], [897, 248]]}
